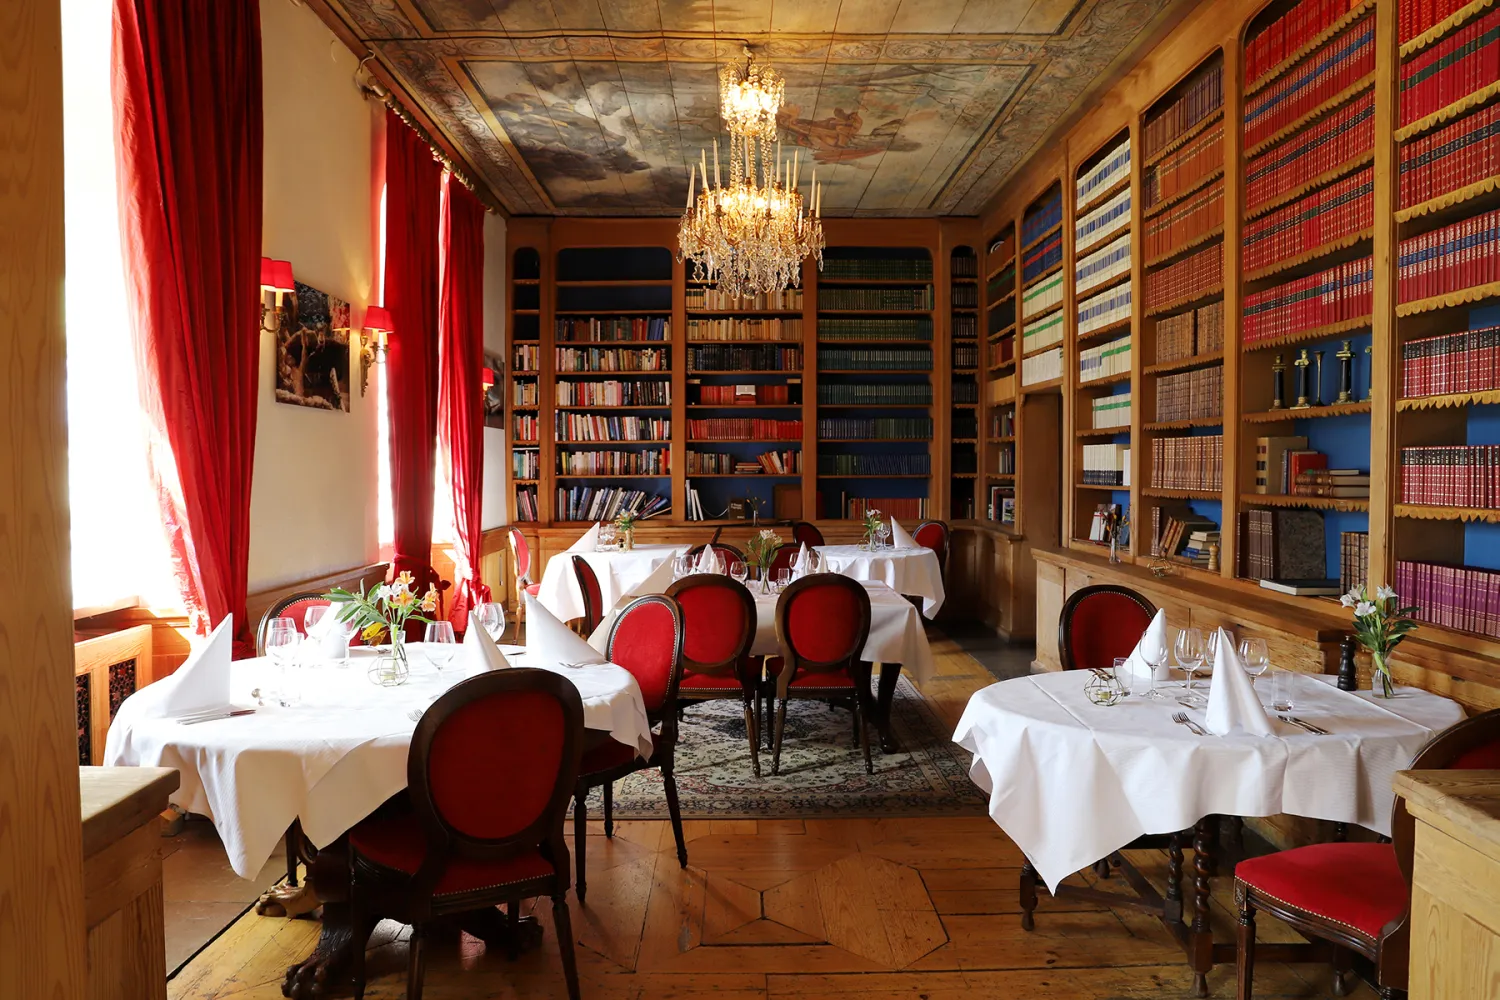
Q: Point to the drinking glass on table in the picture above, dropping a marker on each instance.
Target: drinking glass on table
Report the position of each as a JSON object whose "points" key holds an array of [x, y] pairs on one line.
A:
{"points": [[1283, 689], [682, 566], [1190, 654], [441, 646], [606, 537], [1255, 657], [1123, 675], [492, 619], [312, 616], [739, 572], [281, 646], [783, 577], [1156, 658]]}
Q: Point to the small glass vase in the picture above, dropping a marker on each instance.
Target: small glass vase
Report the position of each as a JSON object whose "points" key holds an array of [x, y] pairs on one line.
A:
{"points": [[1381, 685], [390, 668], [763, 574]]}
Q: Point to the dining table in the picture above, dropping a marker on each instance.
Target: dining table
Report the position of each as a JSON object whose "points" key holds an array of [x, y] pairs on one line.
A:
{"points": [[1073, 782], [911, 570], [618, 570], [322, 764]]}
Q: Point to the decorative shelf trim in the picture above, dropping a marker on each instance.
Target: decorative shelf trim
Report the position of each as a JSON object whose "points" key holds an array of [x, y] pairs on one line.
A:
{"points": [[1103, 487], [1002, 333], [1182, 425], [1182, 139], [1183, 364], [1435, 513], [1101, 243], [1442, 201], [1327, 177], [1458, 107], [1043, 237], [1001, 300], [1105, 195], [1307, 257], [1105, 331], [1306, 412], [1158, 491], [1311, 503], [1093, 432], [1443, 27], [1192, 244], [1107, 380], [1102, 286], [1448, 399], [1271, 75], [1182, 305], [1462, 297], [1332, 104], [1304, 336], [1192, 189]]}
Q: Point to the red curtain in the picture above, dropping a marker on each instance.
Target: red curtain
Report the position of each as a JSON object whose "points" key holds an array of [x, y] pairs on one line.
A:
{"points": [[187, 105], [460, 391], [413, 191]]}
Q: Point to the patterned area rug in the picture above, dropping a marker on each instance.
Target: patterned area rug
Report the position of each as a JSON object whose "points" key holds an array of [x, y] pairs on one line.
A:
{"points": [[822, 771]]}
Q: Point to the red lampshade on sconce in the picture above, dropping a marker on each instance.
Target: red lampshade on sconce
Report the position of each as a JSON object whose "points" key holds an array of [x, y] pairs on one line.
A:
{"points": [[486, 378], [275, 277], [378, 320], [378, 327]]}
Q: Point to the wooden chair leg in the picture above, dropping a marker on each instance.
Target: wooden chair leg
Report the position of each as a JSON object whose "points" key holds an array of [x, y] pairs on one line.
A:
{"points": [[609, 808], [564, 924], [1028, 895], [513, 923], [752, 729], [362, 925], [1244, 951], [669, 785], [416, 963], [580, 837], [780, 732], [293, 838], [862, 728], [1343, 964]]}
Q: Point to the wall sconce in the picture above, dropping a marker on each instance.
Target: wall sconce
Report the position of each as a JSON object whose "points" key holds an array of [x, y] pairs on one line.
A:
{"points": [[486, 379], [275, 277], [372, 345]]}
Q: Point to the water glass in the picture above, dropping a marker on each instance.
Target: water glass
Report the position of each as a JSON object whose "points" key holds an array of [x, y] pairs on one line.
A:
{"points": [[441, 645], [1123, 675], [739, 572], [782, 578], [492, 619], [1189, 651], [312, 616], [682, 566], [607, 534], [1283, 689], [281, 646]]}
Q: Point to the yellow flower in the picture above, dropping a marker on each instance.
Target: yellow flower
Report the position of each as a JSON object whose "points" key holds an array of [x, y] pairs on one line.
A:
{"points": [[405, 579], [403, 599], [373, 632], [429, 600]]}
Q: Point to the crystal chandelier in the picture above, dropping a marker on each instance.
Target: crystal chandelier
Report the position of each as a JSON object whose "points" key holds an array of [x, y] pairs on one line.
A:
{"points": [[751, 234]]}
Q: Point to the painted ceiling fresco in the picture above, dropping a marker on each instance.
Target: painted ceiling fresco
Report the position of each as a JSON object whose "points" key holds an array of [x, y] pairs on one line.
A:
{"points": [[598, 107]]}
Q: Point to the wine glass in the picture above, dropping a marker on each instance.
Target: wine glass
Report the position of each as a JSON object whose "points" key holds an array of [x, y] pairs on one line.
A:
{"points": [[1255, 657], [606, 537], [312, 616], [492, 619], [1189, 651], [739, 572], [1156, 658], [441, 646], [783, 577], [1123, 676], [882, 535], [281, 646]]}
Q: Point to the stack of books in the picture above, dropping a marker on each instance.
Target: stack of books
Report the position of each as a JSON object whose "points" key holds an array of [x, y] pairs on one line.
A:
{"points": [[1344, 484], [1194, 395], [1113, 167], [1106, 465], [1188, 463], [1455, 597], [1281, 545], [1181, 534], [1103, 264], [1354, 559]]}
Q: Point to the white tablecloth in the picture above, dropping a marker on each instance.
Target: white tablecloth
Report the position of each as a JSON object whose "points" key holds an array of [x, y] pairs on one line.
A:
{"points": [[914, 572], [330, 760], [896, 633], [1071, 782], [618, 571]]}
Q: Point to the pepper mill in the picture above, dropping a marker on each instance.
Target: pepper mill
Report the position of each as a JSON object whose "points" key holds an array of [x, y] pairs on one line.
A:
{"points": [[1348, 672]]}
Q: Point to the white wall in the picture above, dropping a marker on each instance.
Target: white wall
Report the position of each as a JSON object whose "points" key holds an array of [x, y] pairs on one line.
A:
{"points": [[495, 504], [314, 496]]}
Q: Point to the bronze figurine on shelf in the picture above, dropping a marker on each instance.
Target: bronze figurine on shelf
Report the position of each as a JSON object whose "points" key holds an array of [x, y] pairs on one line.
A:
{"points": [[1317, 393], [1278, 383], [1370, 368], [1346, 372], [1302, 364]]}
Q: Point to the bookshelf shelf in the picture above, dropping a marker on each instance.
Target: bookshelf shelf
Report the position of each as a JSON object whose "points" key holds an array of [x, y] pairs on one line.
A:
{"points": [[1105, 382], [1113, 281], [894, 282], [614, 283], [1193, 302], [830, 311], [1316, 253], [1103, 196], [1332, 104], [1185, 364], [785, 441], [1041, 313], [1452, 300], [1181, 425], [1001, 334], [612, 343], [1307, 412], [1445, 27], [838, 475], [1323, 179], [1093, 432], [745, 371], [1101, 242], [573, 445], [526, 312], [1183, 139], [1309, 335], [823, 440], [874, 406], [1478, 98], [1042, 350], [744, 406], [874, 371], [1453, 198], [612, 312], [1186, 192], [1307, 503], [1039, 387], [1307, 48], [601, 475], [1055, 269], [1001, 301], [1105, 331], [1436, 513], [1044, 237], [1157, 491], [1102, 487], [1451, 399], [1213, 234], [825, 342], [744, 475]]}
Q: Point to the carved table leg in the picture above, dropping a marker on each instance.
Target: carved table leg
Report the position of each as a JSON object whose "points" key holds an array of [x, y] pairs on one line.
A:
{"points": [[889, 673], [1172, 905], [1201, 938]]}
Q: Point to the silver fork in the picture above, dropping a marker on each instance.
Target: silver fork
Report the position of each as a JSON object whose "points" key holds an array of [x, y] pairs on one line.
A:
{"points": [[1182, 720]]}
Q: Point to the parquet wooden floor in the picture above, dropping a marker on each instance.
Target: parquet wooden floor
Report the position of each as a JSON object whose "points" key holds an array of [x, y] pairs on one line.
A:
{"points": [[916, 909]]}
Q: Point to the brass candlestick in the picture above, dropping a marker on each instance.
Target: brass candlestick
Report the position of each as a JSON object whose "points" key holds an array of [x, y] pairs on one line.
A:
{"points": [[1302, 364], [1278, 383], [1370, 370], [1317, 392], [1346, 372]]}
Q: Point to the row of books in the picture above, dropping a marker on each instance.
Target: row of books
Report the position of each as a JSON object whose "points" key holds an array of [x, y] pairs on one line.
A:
{"points": [[1110, 411], [740, 359], [526, 463], [771, 463], [1456, 257], [744, 429], [964, 296], [1188, 463], [1455, 597], [1041, 217], [1178, 533], [1354, 560], [1465, 361], [714, 300], [1096, 224], [1190, 334], [1042, 333], [1183, 168], [1464, 153], [526, 428], [602, 331], [1107, 262], [874, 429], [1463, 62], [526, 357], [1113, 167], [1001, 505], [1284, 36], [1337, 295], [905, 299], [1191, 219], [867, 394], [526, 504], [644, 392], [1281, 545], [1341, 209], [588, 427], [1337, 65], [594, 462], [965, 355], [965, 326], [524, 392], [1002, 283], [963, 264], [1452, 475], [1042, 367], [1192, 276], [1196, 100], [878, 269], [744, 328], [739, 395], [874, 465], [1104, 361], [880, 359], [965, 425], [874, 328], [592, 503], [1043, 257], [1002, 352], [610, 359], [1341, 484], [1002, 315], [1194, 395], [1279, 459], [853, 508], [1413, 18], [1042, 296], [1106, 464], [1342, 137]]}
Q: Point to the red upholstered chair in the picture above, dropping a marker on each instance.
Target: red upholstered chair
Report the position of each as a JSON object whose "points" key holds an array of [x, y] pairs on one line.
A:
{"points": [[728, 554], [718, 629], [805, 531], [1099, 623], [293, 606], [488, 775], [1356, 896], [934, 535], [520, 554], [822, 622], [593, 598], [645, 639]]}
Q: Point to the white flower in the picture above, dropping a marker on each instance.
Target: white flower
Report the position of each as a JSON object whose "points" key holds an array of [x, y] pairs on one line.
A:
{"points": [[1349, 600], [1364, 608], [1384, 593]]}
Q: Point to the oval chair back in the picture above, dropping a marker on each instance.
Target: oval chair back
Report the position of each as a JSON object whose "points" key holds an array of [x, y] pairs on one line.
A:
{"points": [[728, 554], [524, 724], [520, 553], [646, 639], [1099, 623], [293, 606], [822, 624], [806, 531], [718, 624], [934, 535], [593, 597]]}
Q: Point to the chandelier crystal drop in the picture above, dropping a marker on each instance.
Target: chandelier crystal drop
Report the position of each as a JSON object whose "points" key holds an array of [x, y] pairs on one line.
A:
{"points": [[749, 234]]}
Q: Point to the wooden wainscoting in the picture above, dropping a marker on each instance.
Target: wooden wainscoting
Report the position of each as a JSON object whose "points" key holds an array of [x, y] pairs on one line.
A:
{"points": [[107, 670]]}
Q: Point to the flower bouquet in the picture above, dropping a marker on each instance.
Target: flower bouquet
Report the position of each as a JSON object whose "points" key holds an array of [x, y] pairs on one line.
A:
{"points": [[380, 616], [625, 523], [1380, 625], [872, 524], [761, 551]]}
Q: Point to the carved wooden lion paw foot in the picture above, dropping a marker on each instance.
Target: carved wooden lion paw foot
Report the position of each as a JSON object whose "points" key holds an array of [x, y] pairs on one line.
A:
{"points": [[287, 901]]}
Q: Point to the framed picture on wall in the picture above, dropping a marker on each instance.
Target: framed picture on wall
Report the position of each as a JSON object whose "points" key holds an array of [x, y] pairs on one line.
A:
{"points": [[312, 350]]}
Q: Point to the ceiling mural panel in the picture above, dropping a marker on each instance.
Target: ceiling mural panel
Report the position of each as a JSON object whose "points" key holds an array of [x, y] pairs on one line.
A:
{"points": [[599, 107]]}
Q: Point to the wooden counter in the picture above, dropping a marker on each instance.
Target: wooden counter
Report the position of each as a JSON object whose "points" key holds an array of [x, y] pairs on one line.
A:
{"points": [[121, 806], [1455, 901]]}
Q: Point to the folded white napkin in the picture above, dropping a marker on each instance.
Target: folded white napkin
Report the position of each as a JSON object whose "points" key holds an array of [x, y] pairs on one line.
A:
{"points": [[589, 542], [799, 561], [330, 635], [899, 538], [656, 583], [200, 684], [550, 641], [1153, 641], [479, 653], [708, 561], [1232, 702]]}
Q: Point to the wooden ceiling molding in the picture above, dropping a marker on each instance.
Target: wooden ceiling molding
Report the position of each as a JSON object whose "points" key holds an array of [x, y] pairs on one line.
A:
{"points": [[906, 108]]}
